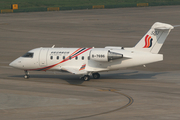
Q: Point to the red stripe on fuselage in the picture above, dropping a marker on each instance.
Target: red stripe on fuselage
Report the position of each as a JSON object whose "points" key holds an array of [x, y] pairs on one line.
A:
{"points": [[67, 58]]}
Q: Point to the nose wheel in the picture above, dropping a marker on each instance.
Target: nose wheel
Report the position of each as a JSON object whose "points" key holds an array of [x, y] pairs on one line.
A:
{"points": [[26, 76]]}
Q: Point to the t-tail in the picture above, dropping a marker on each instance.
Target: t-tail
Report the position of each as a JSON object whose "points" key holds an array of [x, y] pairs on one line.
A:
{"points": [[154, 38]]}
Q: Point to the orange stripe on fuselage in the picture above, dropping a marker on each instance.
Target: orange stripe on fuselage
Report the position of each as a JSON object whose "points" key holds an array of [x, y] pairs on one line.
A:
{"points": [[62, 60], [73, 52]]}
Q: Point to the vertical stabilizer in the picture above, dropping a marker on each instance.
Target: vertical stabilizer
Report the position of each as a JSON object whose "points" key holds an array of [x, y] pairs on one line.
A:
{"points": [[154, 38]]}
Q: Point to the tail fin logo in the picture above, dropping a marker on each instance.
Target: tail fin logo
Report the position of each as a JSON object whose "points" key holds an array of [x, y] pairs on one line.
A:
{"points": [[148, 41]]}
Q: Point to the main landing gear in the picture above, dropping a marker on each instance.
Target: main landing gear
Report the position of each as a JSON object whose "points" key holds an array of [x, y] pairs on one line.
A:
{"points": [[96, 75], [26, 76], [87, 77]]}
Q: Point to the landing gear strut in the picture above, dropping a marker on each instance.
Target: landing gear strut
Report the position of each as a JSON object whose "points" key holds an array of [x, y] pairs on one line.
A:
{"points": [[26, 74]]}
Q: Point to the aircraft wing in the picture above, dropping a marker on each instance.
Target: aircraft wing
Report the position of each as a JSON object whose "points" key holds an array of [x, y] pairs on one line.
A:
{"points": [[75, 69]]}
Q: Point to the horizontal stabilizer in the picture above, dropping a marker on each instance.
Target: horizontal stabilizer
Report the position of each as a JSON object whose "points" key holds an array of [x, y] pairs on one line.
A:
{"points": [[161, 26]]}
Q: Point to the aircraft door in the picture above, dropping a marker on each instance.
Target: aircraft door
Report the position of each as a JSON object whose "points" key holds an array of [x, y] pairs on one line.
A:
{"points": [[43, 57]]}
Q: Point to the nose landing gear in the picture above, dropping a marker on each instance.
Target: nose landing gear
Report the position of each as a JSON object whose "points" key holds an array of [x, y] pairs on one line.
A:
{"points": [[26, 76]]}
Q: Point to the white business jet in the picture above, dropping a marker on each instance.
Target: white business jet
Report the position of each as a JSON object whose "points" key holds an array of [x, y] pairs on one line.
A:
{"points": [[90, 61]]}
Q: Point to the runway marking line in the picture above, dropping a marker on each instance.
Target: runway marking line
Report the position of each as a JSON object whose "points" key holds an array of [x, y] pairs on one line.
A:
{"points": [[111, 90]]}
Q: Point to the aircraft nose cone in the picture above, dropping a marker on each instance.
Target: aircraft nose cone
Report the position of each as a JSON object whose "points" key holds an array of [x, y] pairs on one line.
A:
{"points": [[16, 63], [12, 64]]}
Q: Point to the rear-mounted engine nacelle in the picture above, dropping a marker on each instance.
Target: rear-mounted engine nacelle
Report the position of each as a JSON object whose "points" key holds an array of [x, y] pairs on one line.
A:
{"points": [[104, 55]]}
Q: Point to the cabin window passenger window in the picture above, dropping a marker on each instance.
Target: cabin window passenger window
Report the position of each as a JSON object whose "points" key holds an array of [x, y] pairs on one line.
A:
{"points": [[63, 57], [28, 55], [70, 57], [51, 57], [82, 57], [57, 57], [76, 57]]}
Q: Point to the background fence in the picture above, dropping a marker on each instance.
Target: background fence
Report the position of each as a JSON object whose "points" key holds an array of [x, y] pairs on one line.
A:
{"points": [[41, 5]]}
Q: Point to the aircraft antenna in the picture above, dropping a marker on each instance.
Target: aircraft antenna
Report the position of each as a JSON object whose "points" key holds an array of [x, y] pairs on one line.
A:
{"points": [[53, 46]]}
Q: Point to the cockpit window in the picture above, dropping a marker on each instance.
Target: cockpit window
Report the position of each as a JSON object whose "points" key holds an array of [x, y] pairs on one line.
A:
{"points": [[28, 54]]}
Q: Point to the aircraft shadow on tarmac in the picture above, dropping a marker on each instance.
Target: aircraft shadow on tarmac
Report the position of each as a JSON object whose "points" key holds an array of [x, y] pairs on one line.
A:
{"points": [[132, 75], [75, 80]]}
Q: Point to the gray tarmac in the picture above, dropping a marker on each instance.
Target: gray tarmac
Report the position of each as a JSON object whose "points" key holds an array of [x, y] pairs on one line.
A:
{"points": [[136, 93]]}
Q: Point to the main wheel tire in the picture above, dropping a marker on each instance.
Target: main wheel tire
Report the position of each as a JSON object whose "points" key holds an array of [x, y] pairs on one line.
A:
{"points": [[96, 75], [86, 78], [26, 76]]}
